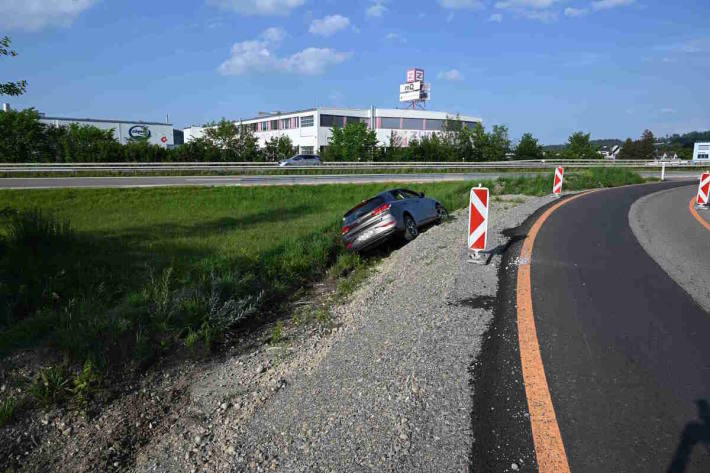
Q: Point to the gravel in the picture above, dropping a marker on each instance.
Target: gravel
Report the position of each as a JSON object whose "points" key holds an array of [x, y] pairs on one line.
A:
{"points": [[393, 392]]}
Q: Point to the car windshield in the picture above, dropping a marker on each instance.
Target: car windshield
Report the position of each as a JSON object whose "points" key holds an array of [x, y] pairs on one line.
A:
{"points": [[362, 208]]}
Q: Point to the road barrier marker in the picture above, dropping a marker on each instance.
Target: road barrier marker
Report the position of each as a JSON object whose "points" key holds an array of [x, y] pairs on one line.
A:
{"points": [[559, 176], [478, 223], [549, 448], [703, 191]]}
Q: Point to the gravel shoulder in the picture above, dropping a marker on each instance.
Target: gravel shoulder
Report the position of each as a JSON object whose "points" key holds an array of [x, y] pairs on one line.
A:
{"points": [[675, 240], [380, 381]]}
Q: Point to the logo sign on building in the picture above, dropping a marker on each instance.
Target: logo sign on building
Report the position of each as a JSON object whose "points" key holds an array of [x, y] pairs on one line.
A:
{"points": [[557, 185], [410, 87], [139, 132], [409, 96], [415, 75], [703, 189], [478, 219]]}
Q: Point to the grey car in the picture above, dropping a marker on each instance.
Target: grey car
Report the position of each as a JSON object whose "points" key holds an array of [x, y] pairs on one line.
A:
{"points": [[301, 160], [396, 212]]}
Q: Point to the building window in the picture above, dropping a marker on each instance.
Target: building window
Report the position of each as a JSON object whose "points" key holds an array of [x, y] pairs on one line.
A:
{"points": [[390, 123], [306, 149], [702, 156], [307, 121], [413, 124], [354, 119], [470, 124], [331, 121], [285, 123], [434, 125], [274, 124]]}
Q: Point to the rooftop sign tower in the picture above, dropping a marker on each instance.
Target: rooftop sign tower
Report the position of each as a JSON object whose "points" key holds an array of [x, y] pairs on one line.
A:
{"points": [[415, 92]]}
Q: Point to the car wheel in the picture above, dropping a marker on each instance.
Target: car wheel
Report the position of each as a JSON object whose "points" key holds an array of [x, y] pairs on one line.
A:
{"points": [[410, 228], [442, 214]]}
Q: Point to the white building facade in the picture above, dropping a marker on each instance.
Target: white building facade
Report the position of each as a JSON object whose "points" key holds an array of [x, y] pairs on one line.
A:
{"points": [[124, 131], [309, 130], [701, 152]]}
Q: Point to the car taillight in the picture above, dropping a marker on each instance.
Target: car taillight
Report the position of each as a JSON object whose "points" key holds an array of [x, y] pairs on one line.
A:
{"points": [[345, 230], [380, 209], [348, 246]]}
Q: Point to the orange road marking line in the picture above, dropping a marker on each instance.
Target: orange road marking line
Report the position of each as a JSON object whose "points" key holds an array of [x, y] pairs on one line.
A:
{"points": [[549, 449], [697, 216]]}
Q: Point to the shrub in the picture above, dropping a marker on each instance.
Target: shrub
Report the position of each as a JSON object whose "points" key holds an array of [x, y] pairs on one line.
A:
{"points": [[7, 410], [50, 386]]}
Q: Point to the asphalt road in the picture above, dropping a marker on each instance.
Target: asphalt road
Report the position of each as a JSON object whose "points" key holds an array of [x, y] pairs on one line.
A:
{"points": [[626, 349], [160, 181]]}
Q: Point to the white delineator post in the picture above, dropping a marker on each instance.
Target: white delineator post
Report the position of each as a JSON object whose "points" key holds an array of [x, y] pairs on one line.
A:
{"points": [[478, 221], [557, 185], [703, 191], [663, 172]]}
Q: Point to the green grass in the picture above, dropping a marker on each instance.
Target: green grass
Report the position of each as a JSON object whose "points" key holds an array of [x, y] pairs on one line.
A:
{"points": [[122, 276], [7, 410]]}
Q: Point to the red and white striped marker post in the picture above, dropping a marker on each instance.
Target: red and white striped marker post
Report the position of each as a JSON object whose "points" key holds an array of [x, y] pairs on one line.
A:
{"points": [[559, 177], [703, 190], [478, 222]]}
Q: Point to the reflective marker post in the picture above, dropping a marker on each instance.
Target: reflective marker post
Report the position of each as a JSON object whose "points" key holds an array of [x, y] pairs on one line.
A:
{"points": [[701, 201], [557, 185], [478, 223]]}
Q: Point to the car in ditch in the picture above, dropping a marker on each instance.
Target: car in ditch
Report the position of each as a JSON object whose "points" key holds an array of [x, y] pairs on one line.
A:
{"points": [[390, 214], [301, 160]]}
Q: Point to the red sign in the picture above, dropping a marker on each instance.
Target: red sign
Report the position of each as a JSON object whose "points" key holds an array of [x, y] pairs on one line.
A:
{"points": [[557, 186], [478, 219], [703, 189], [164, 139]]}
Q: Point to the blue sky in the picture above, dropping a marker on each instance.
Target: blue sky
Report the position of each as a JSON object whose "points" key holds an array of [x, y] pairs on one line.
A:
{"points": [[609, 67]]}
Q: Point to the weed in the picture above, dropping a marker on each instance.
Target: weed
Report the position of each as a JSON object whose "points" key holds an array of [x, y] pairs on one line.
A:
{"points": [[50, 386], [84, 383], [7, 410], [277, 333]]}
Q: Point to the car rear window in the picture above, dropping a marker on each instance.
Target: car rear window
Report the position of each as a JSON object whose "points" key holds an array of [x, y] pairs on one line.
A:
{"points": [[363, 208]]}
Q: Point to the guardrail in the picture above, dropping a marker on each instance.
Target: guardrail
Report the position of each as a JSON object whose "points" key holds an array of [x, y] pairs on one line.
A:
{"points": [[250, 166]]}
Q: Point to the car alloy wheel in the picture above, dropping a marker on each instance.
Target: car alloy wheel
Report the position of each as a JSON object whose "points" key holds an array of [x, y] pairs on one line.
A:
{"points": [[442, 213], [410, 228]]}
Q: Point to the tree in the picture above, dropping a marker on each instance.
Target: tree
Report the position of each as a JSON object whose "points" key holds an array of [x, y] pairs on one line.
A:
{"points": [[498, 143], [236, 143], [22, 137], [528, 148], [354, 142], [580, 147], [278, 148], [629, 150], [646, 146], [10, 88]]}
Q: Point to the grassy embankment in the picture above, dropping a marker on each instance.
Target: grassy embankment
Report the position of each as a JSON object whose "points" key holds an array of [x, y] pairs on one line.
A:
{"points": [[111, 278]]}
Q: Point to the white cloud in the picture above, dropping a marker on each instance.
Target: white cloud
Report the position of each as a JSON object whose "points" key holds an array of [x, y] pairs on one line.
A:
{"points": [[575, 12], [608, 4], [533, 9], [257, 56], [258, 7], [396, 37], [496, 18], [377, 9], [329, 25], [452, 75], [667, 110], [32, 15], [461, 4]]}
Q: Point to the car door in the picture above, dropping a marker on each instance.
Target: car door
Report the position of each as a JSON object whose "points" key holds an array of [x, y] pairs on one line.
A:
{"points": [[426, 210], [410, 204]]}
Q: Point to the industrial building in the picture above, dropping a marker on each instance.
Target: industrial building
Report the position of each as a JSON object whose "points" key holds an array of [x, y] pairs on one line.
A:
{"points": [[309, 130], [123, 130], [701, 152]]}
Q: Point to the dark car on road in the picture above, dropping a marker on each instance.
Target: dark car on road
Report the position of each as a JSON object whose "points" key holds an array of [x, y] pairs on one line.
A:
{"points": [[393, 213]]}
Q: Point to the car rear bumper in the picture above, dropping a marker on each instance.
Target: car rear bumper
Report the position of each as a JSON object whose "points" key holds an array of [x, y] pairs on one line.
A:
{"points": [[373, 236]]}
